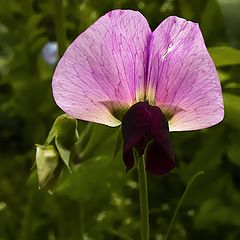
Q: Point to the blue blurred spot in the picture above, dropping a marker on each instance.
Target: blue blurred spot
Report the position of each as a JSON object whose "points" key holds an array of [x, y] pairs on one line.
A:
{"points": [[50, 52]]}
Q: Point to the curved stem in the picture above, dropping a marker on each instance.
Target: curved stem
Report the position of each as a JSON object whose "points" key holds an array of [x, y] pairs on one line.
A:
{"points": [[180, 203], [60, 26], [143, 197]]}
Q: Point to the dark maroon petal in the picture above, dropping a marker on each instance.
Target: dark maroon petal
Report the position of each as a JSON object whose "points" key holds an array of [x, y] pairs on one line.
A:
{"points": [[141, 125], [158, 161], [160, 156], [128, 159], [134, 125]]}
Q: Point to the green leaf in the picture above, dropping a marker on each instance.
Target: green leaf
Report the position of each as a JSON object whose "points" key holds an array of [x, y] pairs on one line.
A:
{"points": [[186, 9], [233, 148], [232, 110], [101, 142], [207, 157], [223, 56], [65, 127], [119, 142], [209, 185], [215, 212], [208, 24], [63, 152], [230, 11], [86, 130], [64, 132], [92, 179]]}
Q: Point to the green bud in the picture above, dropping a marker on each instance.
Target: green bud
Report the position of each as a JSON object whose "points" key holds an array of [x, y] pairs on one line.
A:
{"points": [[47, 163], [63, 134]]}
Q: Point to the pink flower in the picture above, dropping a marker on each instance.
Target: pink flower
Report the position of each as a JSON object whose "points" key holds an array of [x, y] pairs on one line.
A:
{"points": [[155, 82]]}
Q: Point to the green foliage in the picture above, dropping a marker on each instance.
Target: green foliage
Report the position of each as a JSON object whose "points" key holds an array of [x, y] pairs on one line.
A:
{"points": [[97, 199], [224, 56], [64, 134]]}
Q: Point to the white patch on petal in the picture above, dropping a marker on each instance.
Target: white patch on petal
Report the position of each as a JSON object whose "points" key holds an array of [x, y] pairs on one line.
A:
{"points": [[168, 50]]}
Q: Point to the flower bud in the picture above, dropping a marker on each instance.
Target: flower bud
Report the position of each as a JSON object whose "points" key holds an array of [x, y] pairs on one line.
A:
{"points": [[47, 162]]}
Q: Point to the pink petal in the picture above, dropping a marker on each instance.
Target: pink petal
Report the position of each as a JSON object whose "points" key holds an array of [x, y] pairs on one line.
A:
{"points": [[182, 78], [104, 68]]}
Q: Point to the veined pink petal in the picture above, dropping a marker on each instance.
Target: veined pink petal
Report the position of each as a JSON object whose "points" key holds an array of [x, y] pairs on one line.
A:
{"points": [[182, 79], [104, 68]]}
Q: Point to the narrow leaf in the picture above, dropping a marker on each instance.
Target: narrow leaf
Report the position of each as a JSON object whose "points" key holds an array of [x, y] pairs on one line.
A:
{"points": [[224, 56]]}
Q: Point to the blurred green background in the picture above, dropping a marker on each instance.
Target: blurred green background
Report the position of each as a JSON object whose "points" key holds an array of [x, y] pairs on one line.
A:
{"points": [[98, 200]]}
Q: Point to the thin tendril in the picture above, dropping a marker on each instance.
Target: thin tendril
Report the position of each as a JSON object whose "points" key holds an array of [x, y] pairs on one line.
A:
{"points": [[180, 203]]}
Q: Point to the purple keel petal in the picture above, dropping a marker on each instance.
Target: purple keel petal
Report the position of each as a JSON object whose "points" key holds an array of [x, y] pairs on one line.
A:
{"points": [[145, 126], [159, 154], [182, 79], [104, 68]]}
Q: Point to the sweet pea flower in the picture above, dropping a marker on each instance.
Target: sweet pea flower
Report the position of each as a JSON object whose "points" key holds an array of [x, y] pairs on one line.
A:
{"points": [[119, 71]]}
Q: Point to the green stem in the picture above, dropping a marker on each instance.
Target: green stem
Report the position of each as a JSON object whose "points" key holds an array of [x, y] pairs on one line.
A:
{"points": [[25, 232], [118, 234], [143, 197], [60, 26], [180, 203], [78, 222], [81, 220]]}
